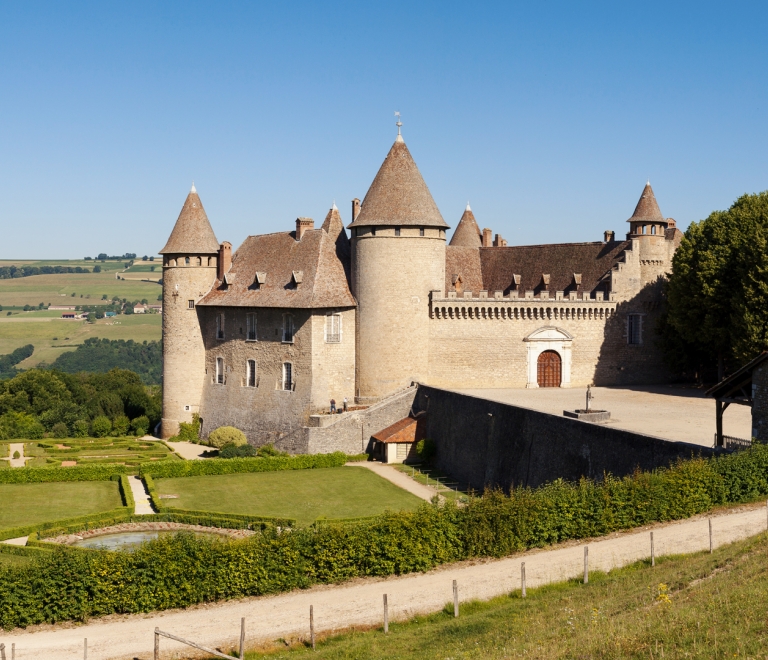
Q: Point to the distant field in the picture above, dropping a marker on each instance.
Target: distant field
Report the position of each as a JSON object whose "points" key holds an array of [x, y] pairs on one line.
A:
{"points": [[52, 336]]}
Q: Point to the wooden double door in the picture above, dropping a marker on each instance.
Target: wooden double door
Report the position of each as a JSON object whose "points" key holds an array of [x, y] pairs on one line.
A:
{"points": [[550, 369]]}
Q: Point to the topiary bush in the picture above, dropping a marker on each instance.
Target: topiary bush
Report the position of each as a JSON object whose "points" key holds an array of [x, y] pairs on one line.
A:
{"points": [[121, 425], [140, 425], [102, 427], [227, 435], [60, 430]]}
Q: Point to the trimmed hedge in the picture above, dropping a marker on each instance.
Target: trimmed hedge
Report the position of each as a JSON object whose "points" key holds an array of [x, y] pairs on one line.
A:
{"points": [[55, 527], [213, 466], [181, 570], [31, 475]]}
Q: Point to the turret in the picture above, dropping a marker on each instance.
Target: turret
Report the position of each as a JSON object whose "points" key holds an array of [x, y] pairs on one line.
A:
{"points": [[398, 259], [647, 219], [190, 260]]}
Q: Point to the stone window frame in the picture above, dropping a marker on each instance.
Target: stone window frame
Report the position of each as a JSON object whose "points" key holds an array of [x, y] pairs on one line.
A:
{"points": [[288, 382], [289, 329], [220, 326], [220, 374], [331, 337], [634, 334], [251, 373], [251, 327]]}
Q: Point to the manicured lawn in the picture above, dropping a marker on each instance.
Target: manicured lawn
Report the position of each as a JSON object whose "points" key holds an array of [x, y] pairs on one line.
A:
{"points": [[27, 504], [346, 492]]}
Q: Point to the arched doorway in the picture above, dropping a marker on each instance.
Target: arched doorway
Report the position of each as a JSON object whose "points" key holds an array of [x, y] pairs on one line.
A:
{"points": [[549, 369]]}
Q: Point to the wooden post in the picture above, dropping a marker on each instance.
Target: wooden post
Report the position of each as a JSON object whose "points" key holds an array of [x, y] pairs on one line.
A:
{"points": [[2, 651], [455, 599], [85, 648], [386, 615], [157, 643], [522, 578], [586, 564], [653, 556], [710, 537], [242, 638], [13, 651], [312, 626], [719, 423]]}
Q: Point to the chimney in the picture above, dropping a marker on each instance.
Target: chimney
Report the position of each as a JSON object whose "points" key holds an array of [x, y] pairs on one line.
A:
{"points": [[225, 259], [302, 225], [608, 236], [671, 224], [487, 234], [355, 208], [499, 241]]}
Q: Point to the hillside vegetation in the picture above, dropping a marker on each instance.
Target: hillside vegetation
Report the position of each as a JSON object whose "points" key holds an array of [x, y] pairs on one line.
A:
{"points": [[101, 355]]}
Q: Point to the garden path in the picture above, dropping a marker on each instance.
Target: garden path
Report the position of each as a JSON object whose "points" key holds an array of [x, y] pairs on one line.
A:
{"points": [[188, 450], [140, 496], [358, 603], [17, 447], [398, 478]]}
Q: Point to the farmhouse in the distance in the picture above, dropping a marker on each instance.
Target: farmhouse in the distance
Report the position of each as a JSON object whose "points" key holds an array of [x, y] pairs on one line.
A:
{"points": [[263, 338]]}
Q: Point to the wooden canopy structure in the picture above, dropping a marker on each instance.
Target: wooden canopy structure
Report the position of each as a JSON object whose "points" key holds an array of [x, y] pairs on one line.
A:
{"points": [[736, 388]]}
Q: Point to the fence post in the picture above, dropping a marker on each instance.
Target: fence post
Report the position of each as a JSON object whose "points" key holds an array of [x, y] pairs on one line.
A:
{"points": [[586, 564], [455, 599], [653, 555], [522, 578], [2, 651], [312, 626], [85, 648], [710, 536], [242, 638], [386, 615], [13, 651], [157, 643]]}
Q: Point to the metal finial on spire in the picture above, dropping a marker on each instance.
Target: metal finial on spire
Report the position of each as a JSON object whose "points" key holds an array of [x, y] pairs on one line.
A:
{"points": [[333, 208], [193, 189], [467, 209], [398, 123]]}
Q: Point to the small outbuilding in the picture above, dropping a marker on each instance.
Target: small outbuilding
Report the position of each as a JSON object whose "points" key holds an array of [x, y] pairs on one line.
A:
{"points": [[397, 443], [748, 387]]}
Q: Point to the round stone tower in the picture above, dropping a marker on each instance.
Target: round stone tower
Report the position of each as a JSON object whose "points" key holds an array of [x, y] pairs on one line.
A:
{"points": [[189, 270], [398, 258]]}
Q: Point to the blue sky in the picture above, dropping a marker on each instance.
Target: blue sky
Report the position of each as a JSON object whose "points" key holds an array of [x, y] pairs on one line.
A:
{"points": [[547, 117]]}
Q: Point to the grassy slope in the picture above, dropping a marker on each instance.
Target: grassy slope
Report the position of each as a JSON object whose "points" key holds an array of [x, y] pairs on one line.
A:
{"points": [[306, 495], [27, 504], [716, 609], [40, 328]]}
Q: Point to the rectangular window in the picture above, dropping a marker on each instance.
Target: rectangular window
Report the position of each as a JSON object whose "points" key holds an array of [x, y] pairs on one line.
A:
{"points": [[421, 231], [634, 329], [373, 231], [333, 328], [397, 231], [250, 327], [287, 376], [219, 326], [220, 371], [190, 304], [251, 373], [288, 328]]}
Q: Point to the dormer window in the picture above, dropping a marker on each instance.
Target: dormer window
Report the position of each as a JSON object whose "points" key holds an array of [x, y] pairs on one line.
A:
{"points": [[260, 279], [297, 276]]}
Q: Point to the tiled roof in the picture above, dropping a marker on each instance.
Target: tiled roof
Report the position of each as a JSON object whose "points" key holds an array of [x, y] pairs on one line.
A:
{"points": [[409, 429], [463, 262], [467, 232], [398, 195], [593, 261], [192, 233], [321, 256], [647, 207]]}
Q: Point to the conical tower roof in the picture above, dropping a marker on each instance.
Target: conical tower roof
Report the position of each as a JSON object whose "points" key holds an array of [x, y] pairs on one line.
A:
{"points": [[398, 195], [647, 208], [467, 232], [334, 227], [192, 233]]}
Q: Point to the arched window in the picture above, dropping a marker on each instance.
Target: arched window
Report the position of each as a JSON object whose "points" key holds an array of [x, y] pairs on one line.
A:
{"points": [[653, 229]]}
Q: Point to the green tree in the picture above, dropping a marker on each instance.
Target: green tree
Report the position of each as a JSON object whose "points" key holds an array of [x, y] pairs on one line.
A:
{"points": [[121, 425], [717, 293], [102, 427]]}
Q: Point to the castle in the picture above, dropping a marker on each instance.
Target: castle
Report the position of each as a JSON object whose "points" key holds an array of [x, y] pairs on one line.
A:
{"points": [[264, 338]]}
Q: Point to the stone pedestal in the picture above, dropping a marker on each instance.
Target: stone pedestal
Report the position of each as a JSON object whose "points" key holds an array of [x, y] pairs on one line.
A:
{"points": [[588, 416]]}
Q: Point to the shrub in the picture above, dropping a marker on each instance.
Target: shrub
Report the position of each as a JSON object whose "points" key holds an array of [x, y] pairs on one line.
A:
{"points": [[20, 425], [80, 429], [233, 451], [121, 425], [267, 451], [60, 430], [16, 454], [227, 435], [426, 449], [190, 432], [102, 427], [140, 425]]}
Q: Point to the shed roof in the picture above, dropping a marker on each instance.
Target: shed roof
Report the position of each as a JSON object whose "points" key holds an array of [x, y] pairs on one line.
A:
{"points": [[408, 430], [192, 233], [398, 195], [321, 256], [738, 384]]}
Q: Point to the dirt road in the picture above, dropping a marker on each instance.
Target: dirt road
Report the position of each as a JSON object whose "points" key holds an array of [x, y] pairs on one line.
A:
{"points": [[360, 602]]}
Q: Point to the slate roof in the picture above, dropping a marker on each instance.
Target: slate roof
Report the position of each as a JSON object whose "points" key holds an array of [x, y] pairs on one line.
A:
{"points": [[647, 208], [467, 233], [192, 233], [321, 256], [398, 195]]}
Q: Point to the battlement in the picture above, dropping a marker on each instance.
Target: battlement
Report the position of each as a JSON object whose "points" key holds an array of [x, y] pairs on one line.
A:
{"points": [[528, 296], [513, 309]]}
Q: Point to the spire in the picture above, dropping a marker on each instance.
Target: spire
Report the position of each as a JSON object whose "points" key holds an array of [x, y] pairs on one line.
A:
{"points": [[399, 125], [193, 189], [647, 208], [467, 232], [333, 225], [192, 233], [398, 195]]}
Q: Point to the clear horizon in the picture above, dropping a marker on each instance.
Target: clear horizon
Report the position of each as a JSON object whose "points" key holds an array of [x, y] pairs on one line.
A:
{"points": [[548, 119]]}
